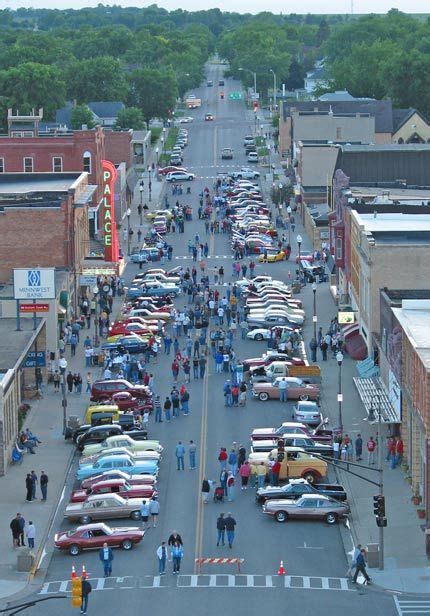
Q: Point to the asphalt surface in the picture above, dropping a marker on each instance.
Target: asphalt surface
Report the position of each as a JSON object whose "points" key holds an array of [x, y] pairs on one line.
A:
{"points": [[312, 552]]}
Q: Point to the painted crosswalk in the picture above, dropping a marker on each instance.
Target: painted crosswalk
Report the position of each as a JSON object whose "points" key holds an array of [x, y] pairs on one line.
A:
{"points": [[292, 582], [190, 257], [413, 607]]}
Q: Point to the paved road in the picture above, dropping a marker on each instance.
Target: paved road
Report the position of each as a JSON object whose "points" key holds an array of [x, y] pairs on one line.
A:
{"points": [[312, 552]]}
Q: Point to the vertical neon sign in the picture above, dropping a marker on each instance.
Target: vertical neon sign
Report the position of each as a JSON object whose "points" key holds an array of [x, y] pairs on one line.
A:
{"points": [[110, 236]]}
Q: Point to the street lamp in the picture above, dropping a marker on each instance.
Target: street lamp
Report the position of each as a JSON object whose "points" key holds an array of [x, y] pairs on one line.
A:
{"points": [[372, 419], [252, 73], [141, 194], [162, 145], [63, 365], [299, 243], [128, 214], [339, 359], [289, 210], [156, 152], [315, 318], [274, 88], [149, 182]]}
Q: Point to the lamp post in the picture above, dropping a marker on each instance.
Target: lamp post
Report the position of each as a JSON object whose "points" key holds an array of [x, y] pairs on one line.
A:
{"points": [[289, 210], [381, 522], [63, 365], [128, 213], [156, 152], [339, 359], [141, 189], [315, 318], [274, 88], [252, 73], [149, 182], [299, 243]]}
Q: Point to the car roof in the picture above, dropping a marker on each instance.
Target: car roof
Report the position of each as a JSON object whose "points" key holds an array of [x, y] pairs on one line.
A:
{"points": [[309, 403], [93, 526], [111, 495], [315, 497]]}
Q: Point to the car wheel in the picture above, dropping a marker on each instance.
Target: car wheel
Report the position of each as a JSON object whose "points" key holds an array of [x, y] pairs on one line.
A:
{"points": [[281, 516], [74, 549], [304, 397], [263, 396], [331, 518], [85, 519], [135, 515], [310, 477], [127, 544], [258, 337]]}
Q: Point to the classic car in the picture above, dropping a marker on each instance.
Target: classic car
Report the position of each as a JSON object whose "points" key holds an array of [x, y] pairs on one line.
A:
{"points": [[305, 255], [307, 412], [122, 441], [118, 474], [103, 507], [295, 440], [269, 320], [99, 433], [93, 536], [295, 463], [309, 506], [114, 486], [155, 213], [297, 389], [297, 487], [122, 344], [145, 255], [266, 359], [102, 390], [292, 427], [278, 306], [265, 334], [276, 311], [171, 169], [121, 462], [161, 277], [88, 460], [272, 257]]}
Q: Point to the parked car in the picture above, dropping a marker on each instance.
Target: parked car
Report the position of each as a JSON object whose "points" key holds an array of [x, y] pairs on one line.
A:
{"points": [[138, 456], [295, 440], [273, 257], [118, 474], [297, 487], [297, 389], [93, 536], [309, 506], [105, 507], [121, 462], [122, 344], [293, 427], [87, 435], [114, 486], [101, 390], [123, 440], [269, 320], [307, 412], [295, 463], [171, 169]]}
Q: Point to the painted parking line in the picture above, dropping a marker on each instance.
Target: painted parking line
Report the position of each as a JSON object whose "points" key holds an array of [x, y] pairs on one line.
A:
{"points": [[293, 582], [413, 607]]}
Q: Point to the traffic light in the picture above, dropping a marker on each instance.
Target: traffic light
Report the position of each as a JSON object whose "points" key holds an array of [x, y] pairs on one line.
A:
{"points": [[76, 592], [379, 505]]}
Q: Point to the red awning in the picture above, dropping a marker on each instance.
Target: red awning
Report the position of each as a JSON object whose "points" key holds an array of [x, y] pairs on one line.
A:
{"points": [[356, 347]]}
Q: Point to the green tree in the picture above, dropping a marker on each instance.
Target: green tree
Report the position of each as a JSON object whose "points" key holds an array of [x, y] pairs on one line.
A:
{"points": [[81, 115], [97, 79], [154, 91], [130, 117]]}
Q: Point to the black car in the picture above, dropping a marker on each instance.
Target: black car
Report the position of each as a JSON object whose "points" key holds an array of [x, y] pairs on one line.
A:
{"points": [[85, 435], [296, 488], [132, 344], [221, 82], [295, 440]]}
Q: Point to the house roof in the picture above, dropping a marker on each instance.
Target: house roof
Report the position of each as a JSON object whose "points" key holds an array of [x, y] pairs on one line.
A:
{"points": [[318, 164], [379, 164], [338, 95], [106, 109], [381, 110]]}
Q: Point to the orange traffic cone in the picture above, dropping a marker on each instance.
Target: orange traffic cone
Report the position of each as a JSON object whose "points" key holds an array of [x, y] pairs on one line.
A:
{"points": [[84, 573], [73, 573], [281, 570]]}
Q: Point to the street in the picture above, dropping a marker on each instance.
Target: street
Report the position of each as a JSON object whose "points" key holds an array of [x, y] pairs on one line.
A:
{"points": [[312, 552]]}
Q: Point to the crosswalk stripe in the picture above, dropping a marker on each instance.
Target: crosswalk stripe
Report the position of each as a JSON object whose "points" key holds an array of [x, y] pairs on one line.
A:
{"points": [[412, 606]]}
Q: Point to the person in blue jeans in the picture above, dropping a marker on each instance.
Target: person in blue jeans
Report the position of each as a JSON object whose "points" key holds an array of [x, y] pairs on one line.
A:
{"points": [[180, 453], [230, 524], [192, 453], [177, 554], [106, 556], [220, 525], [162, 557]]}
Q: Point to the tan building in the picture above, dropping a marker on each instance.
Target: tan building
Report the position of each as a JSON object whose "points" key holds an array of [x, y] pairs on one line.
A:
{"points": [[409, 126]]}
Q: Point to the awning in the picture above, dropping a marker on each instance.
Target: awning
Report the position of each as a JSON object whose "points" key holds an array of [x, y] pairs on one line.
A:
{"points": [[64, 299], [374, 396]]}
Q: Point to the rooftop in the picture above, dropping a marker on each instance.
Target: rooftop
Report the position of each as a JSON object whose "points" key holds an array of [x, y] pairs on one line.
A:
{"points": [[15, 343], [25, 183], [414, 318], [395, 193], [393, 222]]}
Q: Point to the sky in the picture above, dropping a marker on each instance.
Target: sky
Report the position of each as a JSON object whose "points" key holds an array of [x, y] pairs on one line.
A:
{"points": [[242, 6]]}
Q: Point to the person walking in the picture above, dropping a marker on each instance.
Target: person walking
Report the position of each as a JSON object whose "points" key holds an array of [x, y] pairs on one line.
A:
{"points": [[371, 448], [245, 472], [180, 453], [31, 534], [154, 510], [167, 407], [157, 409], [353, 564], [360, 567], [220, 526], [106, 556], [399, 451], [192, 449], [232, 461], [44, 485], [162, 558], [358, 448], [15, 527], [230, 486], [230, 524], [144, 514], [177, 555], [29, 487], [86, 589]]}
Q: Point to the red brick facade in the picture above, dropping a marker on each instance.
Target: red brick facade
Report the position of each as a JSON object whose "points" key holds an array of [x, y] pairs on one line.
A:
{"points": [[118, 147]]}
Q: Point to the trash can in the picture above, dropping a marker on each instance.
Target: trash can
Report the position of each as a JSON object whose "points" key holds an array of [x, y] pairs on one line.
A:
{"points": [[25, 560], [373, 555]]}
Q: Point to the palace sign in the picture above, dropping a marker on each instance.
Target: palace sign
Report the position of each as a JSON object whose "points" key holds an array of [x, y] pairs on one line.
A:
{"points": [[111, 246]]}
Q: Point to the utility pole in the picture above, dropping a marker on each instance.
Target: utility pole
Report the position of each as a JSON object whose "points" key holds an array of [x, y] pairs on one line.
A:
{"points": [[379, 500]]}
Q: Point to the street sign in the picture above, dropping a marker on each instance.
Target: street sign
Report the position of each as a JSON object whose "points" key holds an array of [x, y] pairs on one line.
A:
{"points": [[34, 307], [235, 96], [38, 283], [35, 359], [87, 281]]}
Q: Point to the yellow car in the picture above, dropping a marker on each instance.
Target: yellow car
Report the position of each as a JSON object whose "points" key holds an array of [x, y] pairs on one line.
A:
{"points": [[155, 213], [296, 464], [272, 258]]}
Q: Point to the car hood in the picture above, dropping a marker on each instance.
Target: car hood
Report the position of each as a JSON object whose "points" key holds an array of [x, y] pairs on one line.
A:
{"points": [[261, 431]]}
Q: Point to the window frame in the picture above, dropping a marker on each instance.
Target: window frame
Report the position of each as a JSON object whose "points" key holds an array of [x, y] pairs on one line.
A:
{"points": [[54, 159], [24, 163]]}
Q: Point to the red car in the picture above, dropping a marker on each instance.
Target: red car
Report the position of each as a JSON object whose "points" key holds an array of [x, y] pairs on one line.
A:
{"points": [[305, 256], [119, 486], [93, 536], [170, 168], [118, 474], [267, 359], [102, 390], [122, 328]]}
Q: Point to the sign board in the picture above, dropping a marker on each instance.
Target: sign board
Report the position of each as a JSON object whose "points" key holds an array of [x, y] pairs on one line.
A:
{"points": [[345, 318], [87, 281], [235, 96], [110, 236], [35, 360], [37, 283], [34, 307]]}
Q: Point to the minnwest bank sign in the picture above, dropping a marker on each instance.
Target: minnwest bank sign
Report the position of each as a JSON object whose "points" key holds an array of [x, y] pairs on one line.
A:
{"points": [[37, 283], [110, 236]]}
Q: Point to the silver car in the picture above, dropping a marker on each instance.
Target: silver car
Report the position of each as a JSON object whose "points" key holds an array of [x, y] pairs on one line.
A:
{"points": [[307, 412]]}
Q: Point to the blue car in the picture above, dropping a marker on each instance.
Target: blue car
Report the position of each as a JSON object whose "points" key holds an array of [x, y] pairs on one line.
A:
{"points": [[145, 255], [153, 288], [119, 462], [132, 344]]}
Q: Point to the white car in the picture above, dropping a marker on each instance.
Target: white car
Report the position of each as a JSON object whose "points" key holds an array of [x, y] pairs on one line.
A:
{"points": [[160, 278], [179, 176], [186, 120], [259, 315], [262, 333], [245, 172], [252, 157]]}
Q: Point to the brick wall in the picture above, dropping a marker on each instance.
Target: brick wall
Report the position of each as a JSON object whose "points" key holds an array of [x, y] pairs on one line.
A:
{"points": [[118, 147]]}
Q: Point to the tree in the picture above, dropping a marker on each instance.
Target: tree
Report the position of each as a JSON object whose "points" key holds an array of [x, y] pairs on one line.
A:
{"points": [[81, 115], [296, 76], [130, 117], [97, 79], [154, 91]]}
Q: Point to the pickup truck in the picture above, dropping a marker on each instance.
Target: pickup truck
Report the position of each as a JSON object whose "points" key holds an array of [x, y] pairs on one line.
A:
{"points": [[309, 373], [296, 463], [296, 487]]}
